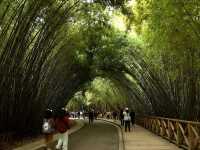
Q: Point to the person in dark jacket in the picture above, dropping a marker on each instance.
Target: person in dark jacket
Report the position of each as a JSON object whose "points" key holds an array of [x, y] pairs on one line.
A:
{"points": [[121, 117], [132, 114], [91, 116], [114, 115]]}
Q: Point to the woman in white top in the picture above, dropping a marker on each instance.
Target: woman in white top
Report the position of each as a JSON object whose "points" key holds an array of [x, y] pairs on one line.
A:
{"points": [[127, 120]]}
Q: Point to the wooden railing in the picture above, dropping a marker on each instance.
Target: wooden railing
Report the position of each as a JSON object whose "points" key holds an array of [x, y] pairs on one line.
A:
{"points": [[185, 134]]}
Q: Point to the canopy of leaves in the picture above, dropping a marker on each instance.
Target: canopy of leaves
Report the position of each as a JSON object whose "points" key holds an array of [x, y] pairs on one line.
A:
{"points": [[51, 49]]}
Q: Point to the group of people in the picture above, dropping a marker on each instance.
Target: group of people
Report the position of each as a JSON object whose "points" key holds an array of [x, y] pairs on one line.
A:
{"points": [[127, 118], [56, 122], [78, 115], [59, 122]]}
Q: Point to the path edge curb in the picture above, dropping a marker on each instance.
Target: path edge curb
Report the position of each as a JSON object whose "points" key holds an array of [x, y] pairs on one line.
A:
{"points": [[120, 133]]}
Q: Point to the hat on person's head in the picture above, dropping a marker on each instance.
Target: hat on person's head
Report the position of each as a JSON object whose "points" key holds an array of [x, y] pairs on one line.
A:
{"points": [[126, 108]]}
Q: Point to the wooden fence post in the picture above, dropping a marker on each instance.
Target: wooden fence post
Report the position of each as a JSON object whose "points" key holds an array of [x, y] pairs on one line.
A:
{"points": [[178, 133], [162, 127], [193, 141], [169, 129], [190, 136]]}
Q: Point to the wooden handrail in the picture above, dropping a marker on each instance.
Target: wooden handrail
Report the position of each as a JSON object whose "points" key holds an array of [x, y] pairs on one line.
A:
{"points": [[179, 120], [185, 134]]}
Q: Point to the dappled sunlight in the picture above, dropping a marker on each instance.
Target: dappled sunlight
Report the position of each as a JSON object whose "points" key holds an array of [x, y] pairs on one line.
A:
{"points": [[101, 94], [119, 22]]}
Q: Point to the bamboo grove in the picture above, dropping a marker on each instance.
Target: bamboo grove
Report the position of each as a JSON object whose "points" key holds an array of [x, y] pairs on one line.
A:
{"points": [[51, 49]]}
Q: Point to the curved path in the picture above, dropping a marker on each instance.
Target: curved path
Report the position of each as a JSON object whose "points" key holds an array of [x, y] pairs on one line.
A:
{"points": [[98, 136]]}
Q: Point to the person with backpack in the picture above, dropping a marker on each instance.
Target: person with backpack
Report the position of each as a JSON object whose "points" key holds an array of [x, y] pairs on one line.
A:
{"points": [[48, 127], [62, 124], [127, 120]]}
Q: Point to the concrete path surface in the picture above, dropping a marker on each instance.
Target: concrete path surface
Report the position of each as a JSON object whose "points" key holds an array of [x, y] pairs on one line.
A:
{"points": [[99, 136], [142, 139], [105, 136]]}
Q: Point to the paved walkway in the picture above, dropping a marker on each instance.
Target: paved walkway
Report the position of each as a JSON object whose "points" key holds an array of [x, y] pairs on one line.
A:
{"points": [[99, 136], [40, 143], [104, 136], [142, 139]]}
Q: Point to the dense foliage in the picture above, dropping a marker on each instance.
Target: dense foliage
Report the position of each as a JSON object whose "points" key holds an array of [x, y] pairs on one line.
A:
{"points": [[106, 54], [171, 32]]}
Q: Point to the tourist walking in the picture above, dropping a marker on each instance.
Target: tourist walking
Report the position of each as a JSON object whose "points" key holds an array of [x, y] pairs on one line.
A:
{"points": [[91, 116], [132, 115], [62, 124], [78, 114], [127, 120], [48, 127], [114, 115], [121, 117]]}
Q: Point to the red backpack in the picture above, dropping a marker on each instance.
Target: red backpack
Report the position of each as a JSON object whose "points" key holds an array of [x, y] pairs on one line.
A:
{"points": [[62, 124]]}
